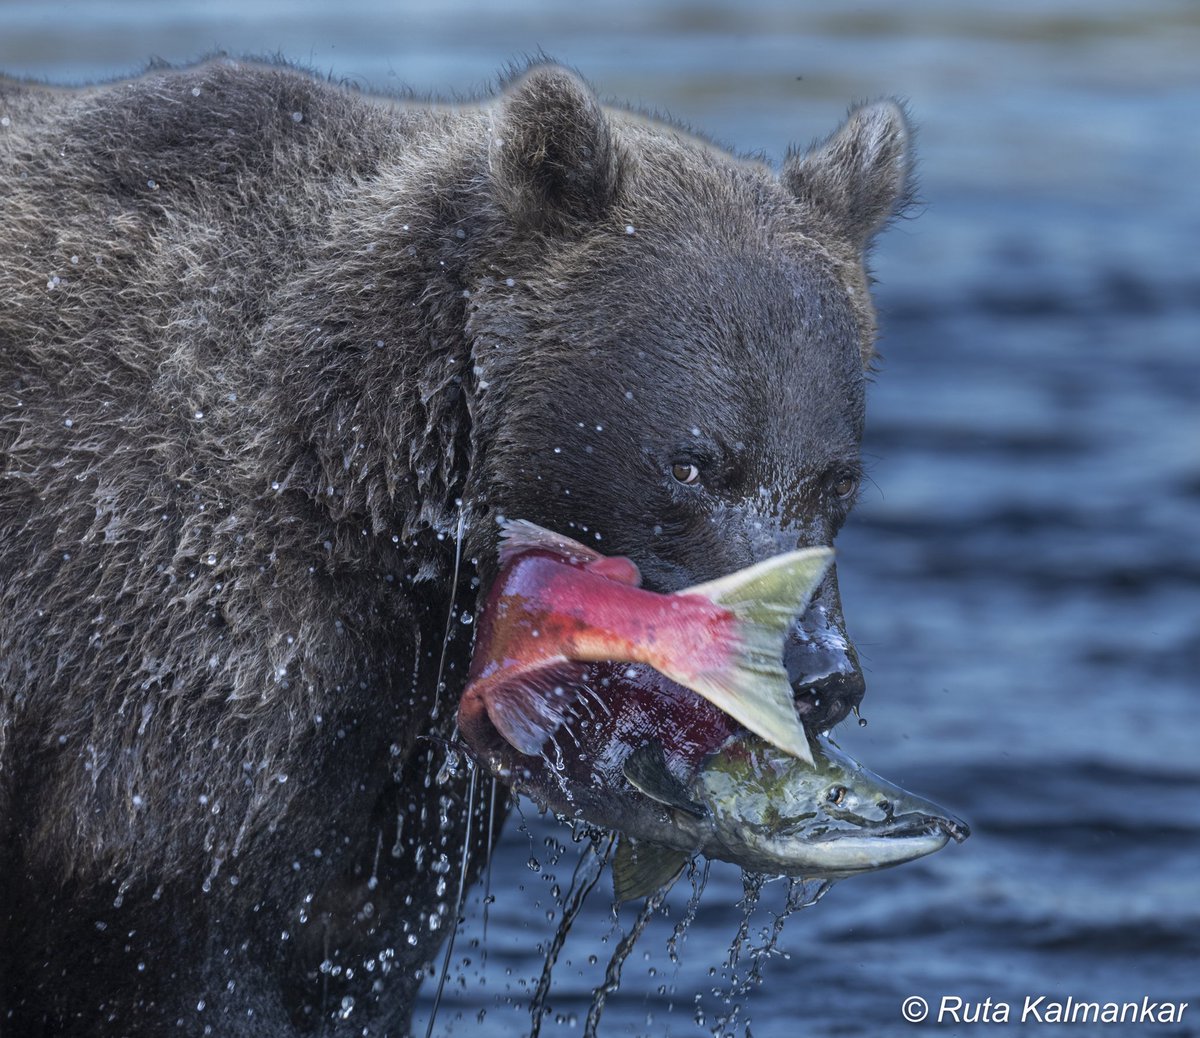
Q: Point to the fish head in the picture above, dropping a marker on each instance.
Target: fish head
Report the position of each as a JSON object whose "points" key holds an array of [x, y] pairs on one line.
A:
{"points": [[835, 818]]}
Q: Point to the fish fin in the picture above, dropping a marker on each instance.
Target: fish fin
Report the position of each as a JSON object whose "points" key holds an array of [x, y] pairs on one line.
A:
{"points": [[647, 772], [618, 568], [754, 689], [531, 706], [520, 535], [641, 868]]}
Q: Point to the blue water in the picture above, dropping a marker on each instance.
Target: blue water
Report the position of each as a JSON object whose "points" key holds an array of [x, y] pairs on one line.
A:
{"points": [[1023, 579]]}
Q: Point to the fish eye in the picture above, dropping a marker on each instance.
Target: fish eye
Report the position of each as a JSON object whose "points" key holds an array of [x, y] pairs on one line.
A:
{"points": [[836, 794], [684, 473]]}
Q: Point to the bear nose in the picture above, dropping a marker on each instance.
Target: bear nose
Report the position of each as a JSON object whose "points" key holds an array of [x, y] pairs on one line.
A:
{"points": [[821, 663]]}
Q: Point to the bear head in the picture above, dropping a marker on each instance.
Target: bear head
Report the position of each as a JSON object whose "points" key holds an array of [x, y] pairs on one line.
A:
{"points": [[671, 359]]}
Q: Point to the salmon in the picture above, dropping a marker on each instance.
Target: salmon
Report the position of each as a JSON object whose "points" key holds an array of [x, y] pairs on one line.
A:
{"points": [[557, 605]]}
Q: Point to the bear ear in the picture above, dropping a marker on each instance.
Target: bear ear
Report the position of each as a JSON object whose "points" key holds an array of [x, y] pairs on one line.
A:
{"points": [[553, 155], [858, 178]]}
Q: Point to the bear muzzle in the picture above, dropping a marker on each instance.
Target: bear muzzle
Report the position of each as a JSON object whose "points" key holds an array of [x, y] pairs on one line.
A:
{"points": [[821, 662]]}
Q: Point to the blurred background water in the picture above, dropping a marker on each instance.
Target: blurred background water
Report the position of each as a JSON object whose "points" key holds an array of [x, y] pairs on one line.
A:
{"points": [[1022, 579]]}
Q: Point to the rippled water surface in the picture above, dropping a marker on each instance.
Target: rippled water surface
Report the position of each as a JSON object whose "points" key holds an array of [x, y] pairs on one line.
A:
{"points": [[1022, 578]]}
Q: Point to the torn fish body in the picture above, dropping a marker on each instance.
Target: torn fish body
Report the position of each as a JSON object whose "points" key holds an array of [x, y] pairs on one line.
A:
{"points": [[556, 605]]}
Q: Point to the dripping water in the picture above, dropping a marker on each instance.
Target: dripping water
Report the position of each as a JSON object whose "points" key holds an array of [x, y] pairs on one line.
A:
{"points": [[487, 878], [373, 879], [458, 901], [697, 874], [588, 871], [437, 693], [612, 974], [401, 812], [801, 893]]}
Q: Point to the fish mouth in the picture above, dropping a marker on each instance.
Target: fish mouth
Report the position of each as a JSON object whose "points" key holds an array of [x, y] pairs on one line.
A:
{"points": [[846, 852]]}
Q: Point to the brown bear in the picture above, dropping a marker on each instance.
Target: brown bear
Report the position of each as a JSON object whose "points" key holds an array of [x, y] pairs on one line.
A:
{"points": [[274, 357]]}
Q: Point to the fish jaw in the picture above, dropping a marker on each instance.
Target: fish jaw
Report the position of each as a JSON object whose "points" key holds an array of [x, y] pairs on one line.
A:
{"points": [[834, 857]]}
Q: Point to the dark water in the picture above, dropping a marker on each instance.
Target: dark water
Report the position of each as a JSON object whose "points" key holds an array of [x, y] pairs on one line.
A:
{"points": [[1023, 582]]}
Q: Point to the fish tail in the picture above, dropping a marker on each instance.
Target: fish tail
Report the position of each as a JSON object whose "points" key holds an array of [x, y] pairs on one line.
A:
{"points": [[753, 687]]}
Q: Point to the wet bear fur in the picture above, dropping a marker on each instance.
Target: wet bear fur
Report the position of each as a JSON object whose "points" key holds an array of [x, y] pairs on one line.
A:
{"points": [[274, 356]]}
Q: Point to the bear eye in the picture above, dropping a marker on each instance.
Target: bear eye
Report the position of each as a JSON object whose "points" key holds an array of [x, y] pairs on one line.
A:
{"points": [[846, 485], [686, 474]]}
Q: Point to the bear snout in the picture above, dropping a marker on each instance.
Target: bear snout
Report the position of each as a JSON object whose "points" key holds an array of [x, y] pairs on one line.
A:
{"points": [[821, 662]]}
